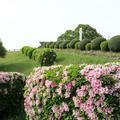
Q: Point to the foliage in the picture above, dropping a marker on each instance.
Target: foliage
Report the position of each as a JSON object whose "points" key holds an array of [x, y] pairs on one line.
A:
{"points": [[44, 56], [57, 44], [88, 46], [104, 46], [63, 45], [95, 44], [68, 35], [114, 44], [3, 51], [11, 93], [89, 92], [83, 43], [76, 45], [72, 43], [88, 32]]}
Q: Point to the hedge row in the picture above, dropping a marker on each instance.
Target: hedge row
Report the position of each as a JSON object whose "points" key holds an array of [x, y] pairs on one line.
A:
{"points": [[44, 56], [98, 43], [11, 94], [84, 92]]}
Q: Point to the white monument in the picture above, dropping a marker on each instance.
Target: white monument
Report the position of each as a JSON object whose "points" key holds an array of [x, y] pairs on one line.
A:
{"points": [[80, 34]]}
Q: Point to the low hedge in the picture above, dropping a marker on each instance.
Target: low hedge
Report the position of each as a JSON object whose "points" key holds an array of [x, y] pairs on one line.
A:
{"points": [[104, 46], [63, 45], [88, 46], [44, 56], [114, 44], [83, 43], [74, 92], [72, 43], [77, 45], [11, 94], [57, 44], [95, 44]]}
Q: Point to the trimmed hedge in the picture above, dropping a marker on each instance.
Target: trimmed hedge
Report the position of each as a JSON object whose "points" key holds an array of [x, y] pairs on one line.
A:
{"points": [[44, 56], [57, 44], [95, 44], [72, 43], [11, 94], [104, 46], [76, 45], [88, 46], [83, 43], [63, 45], [84, 92], [114, 44]]}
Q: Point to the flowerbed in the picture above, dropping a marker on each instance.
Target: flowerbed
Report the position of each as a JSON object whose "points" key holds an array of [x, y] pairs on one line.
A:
{"points": [[11, 93], [84, 92]]}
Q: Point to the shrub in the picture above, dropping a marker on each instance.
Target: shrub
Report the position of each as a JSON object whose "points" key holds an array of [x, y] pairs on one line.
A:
{"points": [[48, 44], [25, 49], [114, 44], [104, 46], [88, 46], [11, 94], [3, 51], [30, 52], [76, 45], [52, 45], [73, 92], [72, 43], [63, 45], [83, 43], [46, 57], [68, 45], [57, 44], [95, 44]]}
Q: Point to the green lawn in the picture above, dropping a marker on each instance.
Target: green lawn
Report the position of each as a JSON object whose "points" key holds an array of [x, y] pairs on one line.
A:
{"points": [[17, 62]]}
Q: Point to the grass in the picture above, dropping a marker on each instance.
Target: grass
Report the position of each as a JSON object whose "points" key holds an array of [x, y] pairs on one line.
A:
{"points": [[16, 62]]}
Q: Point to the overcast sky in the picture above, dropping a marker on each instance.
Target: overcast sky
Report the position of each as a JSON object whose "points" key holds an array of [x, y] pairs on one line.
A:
{"points": [[26, 22]]}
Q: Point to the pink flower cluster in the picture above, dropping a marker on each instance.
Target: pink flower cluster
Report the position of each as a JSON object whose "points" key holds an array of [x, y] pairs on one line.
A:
{"points": [[4, 77], [85, 98]]}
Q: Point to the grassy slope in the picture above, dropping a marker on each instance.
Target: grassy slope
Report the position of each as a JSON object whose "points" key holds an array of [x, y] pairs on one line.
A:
{"points": [[15, 61], [78, 57]]}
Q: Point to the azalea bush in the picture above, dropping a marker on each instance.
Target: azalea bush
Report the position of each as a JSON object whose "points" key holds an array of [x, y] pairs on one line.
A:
{"points": [[11, 94], [84, 92]]}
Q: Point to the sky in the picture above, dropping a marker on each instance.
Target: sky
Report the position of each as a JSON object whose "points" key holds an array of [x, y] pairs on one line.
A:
{"points": [[26, 22]]}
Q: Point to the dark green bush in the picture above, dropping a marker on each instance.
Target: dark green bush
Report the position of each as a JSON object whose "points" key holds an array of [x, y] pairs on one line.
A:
{"points": [[88, 46], [63, 45], [57, 44], [11, 94], [3, 51], [52, 45], [30, 51], [83, 43], [114, 44], [104, 46], [76, 45], [68, 45], [48, 44], [95, 44], [72, 43], [45, 57], [25, 49]]}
